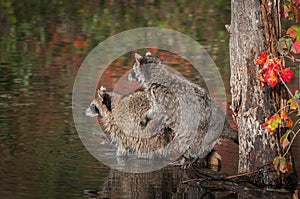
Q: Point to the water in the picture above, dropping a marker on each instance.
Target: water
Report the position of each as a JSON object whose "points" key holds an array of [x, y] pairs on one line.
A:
{"points": [[42, 46]]}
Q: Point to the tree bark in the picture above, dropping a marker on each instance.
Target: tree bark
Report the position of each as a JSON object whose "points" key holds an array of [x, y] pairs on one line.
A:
{"points": [[255, 27]]}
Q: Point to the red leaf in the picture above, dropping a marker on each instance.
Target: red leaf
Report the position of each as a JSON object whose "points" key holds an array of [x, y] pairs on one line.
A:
{"points": [[271, 78], [286, 74], [281, 164], [277, 61], [286, 121], [297, 2], [284, 141], [285, 166], [277, 64], [261, 59], [296, 47], [284, 11], [273, 64], [292, 31]]}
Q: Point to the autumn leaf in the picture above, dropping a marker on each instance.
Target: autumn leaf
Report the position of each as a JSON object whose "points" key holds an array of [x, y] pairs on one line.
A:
{"points": [[271, 78], [272, 64], [277, 64], [284, 45], [292, 104], [276, 162], [284, 140], [297, 94], [295, 195], [287, 74], [281, 164], [296, 47], [297, 2], [286, 121], [284, 11], [273, 123], [284, 166], [292, 31], [262, 58], [261, 77]]}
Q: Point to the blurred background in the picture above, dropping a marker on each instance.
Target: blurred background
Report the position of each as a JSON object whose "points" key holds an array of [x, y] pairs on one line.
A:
{"points": [[42, 44]]}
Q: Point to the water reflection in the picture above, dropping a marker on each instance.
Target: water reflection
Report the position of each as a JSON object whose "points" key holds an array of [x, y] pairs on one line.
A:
{"points": [[159, 184], [42, 45]]}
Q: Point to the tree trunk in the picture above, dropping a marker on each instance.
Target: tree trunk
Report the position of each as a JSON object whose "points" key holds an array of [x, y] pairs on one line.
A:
{"points": [[255, 27]]}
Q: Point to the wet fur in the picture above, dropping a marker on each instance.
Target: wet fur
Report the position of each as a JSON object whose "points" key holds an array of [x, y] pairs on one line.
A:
{"points": [[123, 116], [195, 118]]}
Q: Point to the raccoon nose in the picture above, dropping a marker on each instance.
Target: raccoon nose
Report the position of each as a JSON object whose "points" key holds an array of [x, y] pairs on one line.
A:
{"points": [[131, 76]]}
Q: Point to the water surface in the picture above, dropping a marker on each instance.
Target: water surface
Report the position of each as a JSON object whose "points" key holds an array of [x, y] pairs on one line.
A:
{"points": [[42, 46]]}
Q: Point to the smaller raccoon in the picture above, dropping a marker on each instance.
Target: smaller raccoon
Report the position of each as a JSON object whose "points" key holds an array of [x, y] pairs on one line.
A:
{"points": [[196, 119], [122, 115]]}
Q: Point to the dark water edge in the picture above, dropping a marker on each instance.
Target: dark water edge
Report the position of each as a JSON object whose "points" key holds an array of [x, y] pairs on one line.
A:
{"points": [[42, 45]]}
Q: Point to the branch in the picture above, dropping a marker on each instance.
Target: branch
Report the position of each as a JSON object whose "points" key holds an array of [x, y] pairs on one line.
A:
{"points": [[291, 143], [292, 58], [228, 177], [289, 91]]}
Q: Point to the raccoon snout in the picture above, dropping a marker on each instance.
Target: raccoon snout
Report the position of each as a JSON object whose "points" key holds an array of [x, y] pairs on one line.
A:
{"points": [[132, 76], [92, 111]]}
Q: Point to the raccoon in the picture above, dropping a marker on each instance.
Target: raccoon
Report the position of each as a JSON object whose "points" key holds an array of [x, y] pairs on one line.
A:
{"points": [[122, 115], [196, 119]]}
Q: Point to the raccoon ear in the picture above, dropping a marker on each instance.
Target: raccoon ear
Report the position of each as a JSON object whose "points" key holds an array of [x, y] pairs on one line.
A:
{"points": [[138, 57], [148, 54], [101, 91]]}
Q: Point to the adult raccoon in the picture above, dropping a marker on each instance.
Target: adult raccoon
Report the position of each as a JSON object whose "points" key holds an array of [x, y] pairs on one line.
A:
{"points": [[122, 115], [187, 108]]}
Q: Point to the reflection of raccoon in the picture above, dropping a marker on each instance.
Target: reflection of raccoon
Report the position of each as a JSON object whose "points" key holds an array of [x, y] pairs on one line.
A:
{"points": [[122, 115], [199, 120], [165, 183]]}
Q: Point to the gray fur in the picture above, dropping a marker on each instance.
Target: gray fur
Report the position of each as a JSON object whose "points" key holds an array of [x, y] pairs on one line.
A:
{"points": [[187, 108], [123, 116]]}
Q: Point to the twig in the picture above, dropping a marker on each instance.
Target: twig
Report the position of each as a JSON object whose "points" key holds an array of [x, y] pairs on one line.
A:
{"points": [[195, 179], [229, 177], [249, 173], [291, 143], [289, 91], [291, 58]]}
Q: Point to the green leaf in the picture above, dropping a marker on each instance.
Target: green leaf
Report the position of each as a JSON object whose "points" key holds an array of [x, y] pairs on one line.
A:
{"points": [[284, 165], [298, 34], [276, 162], [273, 123], [292, 104], [297, 94], [284, 44], [281, 164]]}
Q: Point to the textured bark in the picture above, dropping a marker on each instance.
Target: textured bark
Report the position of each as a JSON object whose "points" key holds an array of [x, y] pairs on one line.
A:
{"points": [[255, 27]]}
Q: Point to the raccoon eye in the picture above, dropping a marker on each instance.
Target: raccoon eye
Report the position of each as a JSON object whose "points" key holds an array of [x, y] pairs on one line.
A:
{"points": [[95, 109]]}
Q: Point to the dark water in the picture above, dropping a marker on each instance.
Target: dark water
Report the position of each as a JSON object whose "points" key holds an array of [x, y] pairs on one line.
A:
{"points": [[42, 46]]}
